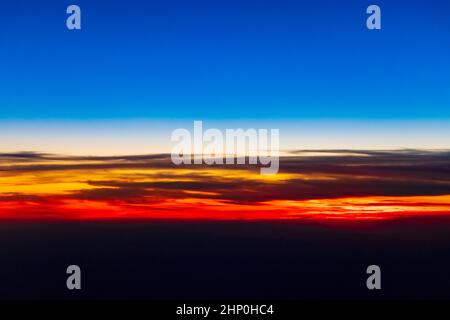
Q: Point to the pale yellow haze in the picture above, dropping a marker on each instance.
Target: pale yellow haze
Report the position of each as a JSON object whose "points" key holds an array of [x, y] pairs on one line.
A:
{"points": [[132, 137]]}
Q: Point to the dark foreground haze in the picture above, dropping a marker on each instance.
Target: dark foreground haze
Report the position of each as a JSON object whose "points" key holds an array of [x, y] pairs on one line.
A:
{"points": [[226, 260]]}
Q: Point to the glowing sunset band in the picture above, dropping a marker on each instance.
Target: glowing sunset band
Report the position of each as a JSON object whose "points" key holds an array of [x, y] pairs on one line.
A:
{"points": [[369, 208], [338, 184]]}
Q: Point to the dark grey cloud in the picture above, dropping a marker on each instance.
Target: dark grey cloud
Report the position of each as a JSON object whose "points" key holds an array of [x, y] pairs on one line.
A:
{"points": [[349, 173]]}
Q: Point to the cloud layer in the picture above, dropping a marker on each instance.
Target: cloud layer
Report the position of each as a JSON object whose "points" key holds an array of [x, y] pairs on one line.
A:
{"points": [[310, 184]]}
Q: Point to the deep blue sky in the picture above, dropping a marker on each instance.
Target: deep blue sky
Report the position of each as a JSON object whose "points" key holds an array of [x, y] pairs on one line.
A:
{"points": [[224, 59]]}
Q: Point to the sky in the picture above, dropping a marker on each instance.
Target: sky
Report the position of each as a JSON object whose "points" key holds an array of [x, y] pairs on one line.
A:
{"points": [[312, 70], [104, 137], [225, 60], [86, 115]]}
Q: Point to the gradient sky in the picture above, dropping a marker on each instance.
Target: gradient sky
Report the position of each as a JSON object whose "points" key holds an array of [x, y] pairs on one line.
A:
{"points": [[225, 60], [138, 70], [130, 137]]}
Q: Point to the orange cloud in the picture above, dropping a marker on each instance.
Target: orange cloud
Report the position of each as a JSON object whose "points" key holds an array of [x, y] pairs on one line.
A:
{"points": [[350, 186]]}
